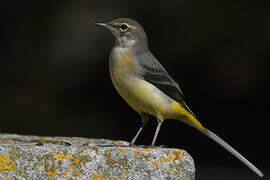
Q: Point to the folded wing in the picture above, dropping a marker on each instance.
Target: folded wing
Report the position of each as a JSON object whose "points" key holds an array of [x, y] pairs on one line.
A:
{"points": [[155, 73]]}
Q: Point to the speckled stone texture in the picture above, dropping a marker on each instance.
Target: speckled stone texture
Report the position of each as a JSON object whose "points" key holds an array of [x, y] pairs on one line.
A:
{"points": [[34, 157]]}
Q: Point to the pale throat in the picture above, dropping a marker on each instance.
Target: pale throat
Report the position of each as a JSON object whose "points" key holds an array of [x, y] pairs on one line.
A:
{"points": [[126, 42]]}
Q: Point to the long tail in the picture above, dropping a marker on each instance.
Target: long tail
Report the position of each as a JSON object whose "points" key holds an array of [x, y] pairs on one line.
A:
{"points": [[229, 148], [189, 118]]}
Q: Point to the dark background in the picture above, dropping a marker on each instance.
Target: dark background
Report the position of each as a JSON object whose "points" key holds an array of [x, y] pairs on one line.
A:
{"points": [[55, 81]]}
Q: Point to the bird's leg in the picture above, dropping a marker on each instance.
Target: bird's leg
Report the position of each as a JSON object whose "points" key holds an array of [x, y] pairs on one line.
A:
{"points": [[156, 133], [144, 118], [136, 136]]}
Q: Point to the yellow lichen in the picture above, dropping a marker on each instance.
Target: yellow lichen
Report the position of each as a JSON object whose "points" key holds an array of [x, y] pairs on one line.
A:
{"points": [[147, 149], [83, 158], [7, 163], [169, 170], [178, 166], [95, 149], [60, 156], [66, 171], [124, 163], [122, 151], [107, 153], [137, 153], [75, 173], [52, 173], [8, 178], [176, 173], [76, 161], [122, 175], [96, 176], [36, 164], [177, 154], [13, 153], [166, 159], [110, 161], [155, 163]]}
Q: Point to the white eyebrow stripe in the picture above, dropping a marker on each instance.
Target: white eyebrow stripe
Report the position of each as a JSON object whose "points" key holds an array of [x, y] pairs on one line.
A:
{"points": [[130, 26]]}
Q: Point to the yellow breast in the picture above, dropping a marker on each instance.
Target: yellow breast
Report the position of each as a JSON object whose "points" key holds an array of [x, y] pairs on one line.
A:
{"points": [[138, 93]]}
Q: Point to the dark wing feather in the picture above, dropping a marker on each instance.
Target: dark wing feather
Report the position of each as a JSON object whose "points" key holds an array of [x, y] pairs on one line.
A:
{"points": [[154, 73]]}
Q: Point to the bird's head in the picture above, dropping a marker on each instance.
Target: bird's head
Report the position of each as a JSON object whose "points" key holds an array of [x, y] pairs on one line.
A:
{"points": [[127, 32]]}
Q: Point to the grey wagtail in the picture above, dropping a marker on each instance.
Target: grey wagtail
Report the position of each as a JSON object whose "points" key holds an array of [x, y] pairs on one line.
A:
{"points": [[147, 87]]}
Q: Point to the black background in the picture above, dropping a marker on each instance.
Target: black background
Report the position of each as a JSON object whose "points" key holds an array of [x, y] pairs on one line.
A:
{"points": [[55, 81]]}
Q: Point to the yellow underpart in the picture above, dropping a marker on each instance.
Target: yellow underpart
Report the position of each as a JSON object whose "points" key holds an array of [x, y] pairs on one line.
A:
{"points": [[125, 60], [141, 95], [182, 114]]}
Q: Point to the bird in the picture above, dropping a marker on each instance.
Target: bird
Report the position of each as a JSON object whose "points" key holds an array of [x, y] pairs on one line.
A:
{"points": [[147, 87]]}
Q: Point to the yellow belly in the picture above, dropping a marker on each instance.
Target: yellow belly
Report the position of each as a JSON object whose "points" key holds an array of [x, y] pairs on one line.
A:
{"points": [[141, 95], [138, 93]]}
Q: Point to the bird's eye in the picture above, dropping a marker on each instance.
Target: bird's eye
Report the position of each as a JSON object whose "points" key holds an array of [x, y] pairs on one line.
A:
{"points": [[124, 27]]}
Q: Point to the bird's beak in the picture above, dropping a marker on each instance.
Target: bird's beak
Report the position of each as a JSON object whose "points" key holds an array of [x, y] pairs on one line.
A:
{"points": [[109, 27], [102, 25]]}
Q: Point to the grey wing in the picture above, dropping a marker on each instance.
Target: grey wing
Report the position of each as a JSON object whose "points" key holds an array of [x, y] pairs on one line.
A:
{"points": [[155, 73]]}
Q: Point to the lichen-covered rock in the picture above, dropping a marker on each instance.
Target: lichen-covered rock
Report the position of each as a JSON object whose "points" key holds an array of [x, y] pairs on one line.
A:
{"points": [[33, 157]]}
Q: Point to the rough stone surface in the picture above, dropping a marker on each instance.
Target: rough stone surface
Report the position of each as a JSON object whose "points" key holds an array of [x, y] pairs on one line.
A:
{"points": [[34, 157]]}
